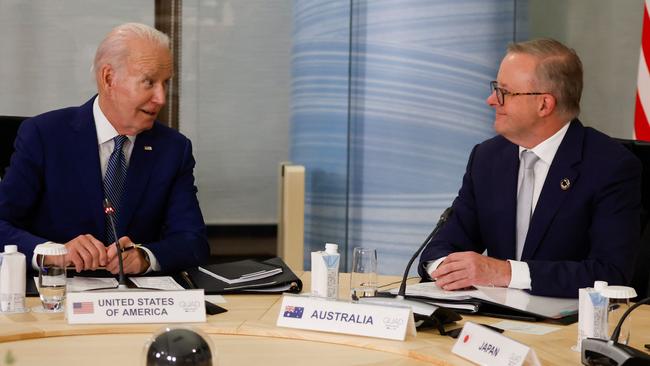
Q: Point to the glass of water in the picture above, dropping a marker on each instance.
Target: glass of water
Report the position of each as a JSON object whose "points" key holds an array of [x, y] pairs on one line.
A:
{"points": [[363, 278], [51, 261]]}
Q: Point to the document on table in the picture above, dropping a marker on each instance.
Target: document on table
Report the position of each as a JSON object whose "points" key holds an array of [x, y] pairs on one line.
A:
{"points": [[549, 307], [156, 282], [78, 284], [81, 283]]}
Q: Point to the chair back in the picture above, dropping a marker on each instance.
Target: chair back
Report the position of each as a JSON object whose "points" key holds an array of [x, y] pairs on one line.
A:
{"points": [[641, 278], [8, 130]]}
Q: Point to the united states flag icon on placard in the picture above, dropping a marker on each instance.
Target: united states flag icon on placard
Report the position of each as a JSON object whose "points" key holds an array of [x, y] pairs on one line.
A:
{"points": [[85, 307], [293, 312]]}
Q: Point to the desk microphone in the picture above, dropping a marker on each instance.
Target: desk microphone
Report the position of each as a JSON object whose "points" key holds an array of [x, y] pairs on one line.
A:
{"points": [[443, 219], [109, 211], [423, 311], [596, 351]]}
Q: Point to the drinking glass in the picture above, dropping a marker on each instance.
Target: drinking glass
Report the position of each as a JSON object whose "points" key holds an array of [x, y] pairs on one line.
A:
{"points": [[363, 278], [619, 302], [50, 258]]}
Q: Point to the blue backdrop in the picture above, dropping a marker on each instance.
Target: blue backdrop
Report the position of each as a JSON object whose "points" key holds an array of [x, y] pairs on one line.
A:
{"points": [[388, 98]]}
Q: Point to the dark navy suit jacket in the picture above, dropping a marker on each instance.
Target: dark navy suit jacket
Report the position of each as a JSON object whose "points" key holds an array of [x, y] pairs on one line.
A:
{"points": [[585, 233], [53, 189]]}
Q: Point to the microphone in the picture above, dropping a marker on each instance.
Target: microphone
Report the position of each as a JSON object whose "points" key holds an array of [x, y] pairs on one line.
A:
{"points": [[596, 351], [424, 312], [443, 219], [109, 211]]}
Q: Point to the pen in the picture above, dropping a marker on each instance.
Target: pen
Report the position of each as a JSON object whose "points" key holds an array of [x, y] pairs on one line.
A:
{"points": [[128, 248]]}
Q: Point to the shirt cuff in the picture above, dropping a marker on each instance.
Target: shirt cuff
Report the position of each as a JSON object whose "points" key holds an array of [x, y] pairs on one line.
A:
{"points": [[153, 262], [519, 275], [433, 265]]}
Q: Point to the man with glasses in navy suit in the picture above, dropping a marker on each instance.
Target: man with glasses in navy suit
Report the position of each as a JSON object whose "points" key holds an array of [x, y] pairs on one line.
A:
{"points": [[68, 161], [555, 205]]}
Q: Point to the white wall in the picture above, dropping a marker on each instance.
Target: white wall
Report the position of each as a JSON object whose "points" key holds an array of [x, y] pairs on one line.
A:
{"points": [[48, 47], [607, 36], [236, 60]]}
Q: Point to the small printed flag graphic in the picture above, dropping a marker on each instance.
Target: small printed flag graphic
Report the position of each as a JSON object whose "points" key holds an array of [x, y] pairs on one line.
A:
{"points": [[293, 312], [85, 307]]}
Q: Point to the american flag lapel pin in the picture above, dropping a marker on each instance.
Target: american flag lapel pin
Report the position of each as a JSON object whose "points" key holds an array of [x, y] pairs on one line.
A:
{"points": [[148, 148]]}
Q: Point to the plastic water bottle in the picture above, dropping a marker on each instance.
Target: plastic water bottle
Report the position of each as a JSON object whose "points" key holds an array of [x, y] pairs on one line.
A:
{"points": [[12, 280], [325, 272]]}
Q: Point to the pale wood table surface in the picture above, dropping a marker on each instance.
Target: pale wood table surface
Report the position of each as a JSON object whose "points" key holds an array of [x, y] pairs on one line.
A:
{"points": [[247, 335]]}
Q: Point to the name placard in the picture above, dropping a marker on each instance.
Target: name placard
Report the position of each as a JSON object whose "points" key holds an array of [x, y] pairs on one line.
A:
{"points": [[487, 347], [118, 307], [303, 312]]}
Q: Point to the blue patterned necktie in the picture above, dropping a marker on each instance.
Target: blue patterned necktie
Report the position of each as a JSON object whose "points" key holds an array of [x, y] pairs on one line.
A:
{"points": [[114, 183]]}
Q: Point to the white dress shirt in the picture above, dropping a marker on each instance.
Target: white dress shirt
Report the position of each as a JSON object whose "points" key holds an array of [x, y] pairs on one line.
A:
{"points": [[546, 150]]}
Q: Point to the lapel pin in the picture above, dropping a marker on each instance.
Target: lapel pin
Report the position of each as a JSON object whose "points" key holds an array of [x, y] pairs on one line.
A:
{"points": [[148, 148], [565, 184]]}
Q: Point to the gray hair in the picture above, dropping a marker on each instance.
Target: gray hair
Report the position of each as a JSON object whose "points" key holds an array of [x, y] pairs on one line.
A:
{"points": [[113, 49], [559, 71]]}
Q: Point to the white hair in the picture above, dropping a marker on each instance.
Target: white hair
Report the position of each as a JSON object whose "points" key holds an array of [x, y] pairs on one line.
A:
{"points": [[114, 50]]}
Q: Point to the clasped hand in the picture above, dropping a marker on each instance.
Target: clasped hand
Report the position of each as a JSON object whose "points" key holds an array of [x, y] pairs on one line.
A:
{"points": [[464, 269], [85, 252]]}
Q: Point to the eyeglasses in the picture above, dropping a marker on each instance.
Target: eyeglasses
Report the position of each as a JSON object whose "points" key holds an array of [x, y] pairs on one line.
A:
{"points": [[501, 93]]}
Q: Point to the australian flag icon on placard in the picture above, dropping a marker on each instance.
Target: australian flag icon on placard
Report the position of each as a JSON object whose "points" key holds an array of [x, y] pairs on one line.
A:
{"points": [[293, 312]]}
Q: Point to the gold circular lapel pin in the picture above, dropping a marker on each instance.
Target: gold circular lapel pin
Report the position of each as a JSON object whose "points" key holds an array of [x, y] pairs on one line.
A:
{"points": [[565, 184]]}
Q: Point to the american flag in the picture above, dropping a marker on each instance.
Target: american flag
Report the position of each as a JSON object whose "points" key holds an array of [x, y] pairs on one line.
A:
{"points": [[293, 312], [85, 307], [642, 110]]}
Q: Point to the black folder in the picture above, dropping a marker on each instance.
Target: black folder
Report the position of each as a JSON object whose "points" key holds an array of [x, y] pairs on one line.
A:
{"points": [[491, 302], [286, 281]]}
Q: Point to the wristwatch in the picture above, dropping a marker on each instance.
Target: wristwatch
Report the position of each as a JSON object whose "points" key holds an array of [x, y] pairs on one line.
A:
{"points": [[145, 255]]}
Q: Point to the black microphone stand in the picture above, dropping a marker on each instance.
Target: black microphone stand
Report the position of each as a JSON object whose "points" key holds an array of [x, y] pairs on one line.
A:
{"points": [[110, 213], [422, 310], [596, 351], [443, 219]]}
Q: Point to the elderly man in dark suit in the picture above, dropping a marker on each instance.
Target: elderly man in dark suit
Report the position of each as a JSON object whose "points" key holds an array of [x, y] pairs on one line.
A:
{"points": [[553, 203], [68, 161]]}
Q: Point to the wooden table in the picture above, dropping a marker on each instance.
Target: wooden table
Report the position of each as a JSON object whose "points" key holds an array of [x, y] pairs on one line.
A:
{"points": [[247, 335]]}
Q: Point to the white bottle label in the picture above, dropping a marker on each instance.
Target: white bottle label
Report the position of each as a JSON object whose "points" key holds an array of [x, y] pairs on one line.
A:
{"points": [[12, 283]]}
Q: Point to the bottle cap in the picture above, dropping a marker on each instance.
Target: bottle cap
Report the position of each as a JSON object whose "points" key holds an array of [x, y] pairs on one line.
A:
{"points": [[51, 248], [600, 285], [618, 292], [11, 249], [331, 248]]}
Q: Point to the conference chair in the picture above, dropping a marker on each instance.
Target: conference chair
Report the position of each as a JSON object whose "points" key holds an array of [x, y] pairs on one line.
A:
{"points": [[8, 130], [641, 278]]}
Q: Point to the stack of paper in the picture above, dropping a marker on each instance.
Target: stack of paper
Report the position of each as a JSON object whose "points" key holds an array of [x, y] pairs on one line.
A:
{"points": [[507, 301]]}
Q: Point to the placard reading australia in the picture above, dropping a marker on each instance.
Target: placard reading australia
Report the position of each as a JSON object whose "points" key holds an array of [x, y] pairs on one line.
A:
{"points": [[343, 317]]}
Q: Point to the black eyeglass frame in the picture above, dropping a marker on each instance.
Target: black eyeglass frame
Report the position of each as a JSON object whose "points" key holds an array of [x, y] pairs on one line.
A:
{"points": [[501, 93]]}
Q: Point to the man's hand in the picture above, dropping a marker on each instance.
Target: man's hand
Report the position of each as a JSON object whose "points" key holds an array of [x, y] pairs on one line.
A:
{"points": [[465, 269], [133, 260], [86, 253]]}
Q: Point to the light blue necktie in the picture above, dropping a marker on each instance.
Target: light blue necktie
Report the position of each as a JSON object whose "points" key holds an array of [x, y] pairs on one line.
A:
{"points": [[525, 199], [114, 183]]}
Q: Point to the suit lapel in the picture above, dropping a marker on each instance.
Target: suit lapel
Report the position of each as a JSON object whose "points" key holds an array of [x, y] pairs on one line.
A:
{"points": [[142, 160], [564, 165], [505, 175], [84, 150]]}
